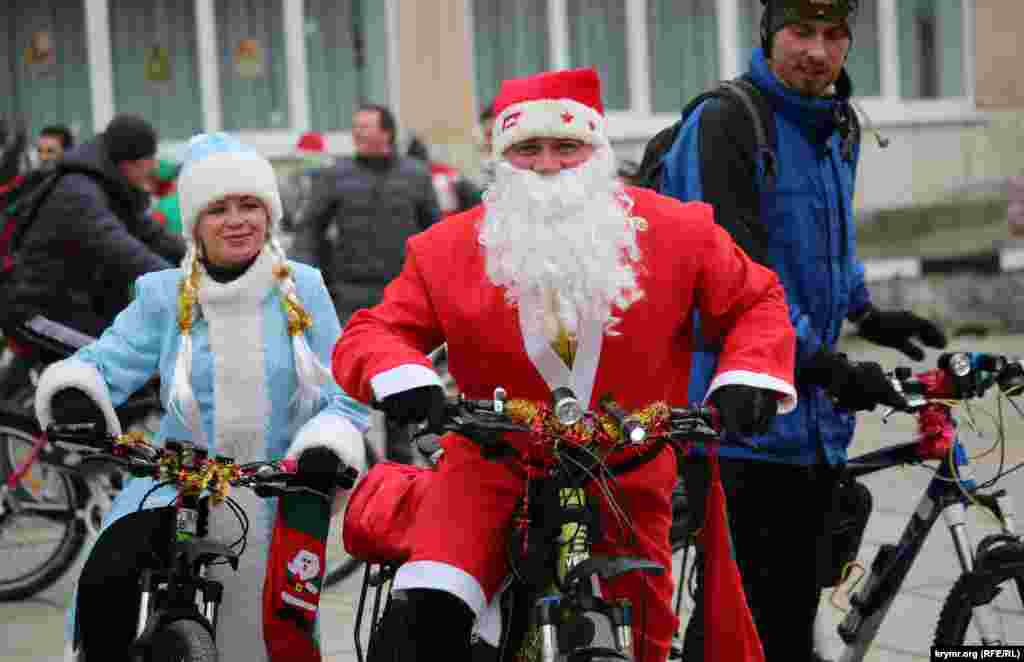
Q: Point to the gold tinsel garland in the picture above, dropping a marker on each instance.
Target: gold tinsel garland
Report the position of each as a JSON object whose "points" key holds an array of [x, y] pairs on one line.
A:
{"points": [[600, 430]]}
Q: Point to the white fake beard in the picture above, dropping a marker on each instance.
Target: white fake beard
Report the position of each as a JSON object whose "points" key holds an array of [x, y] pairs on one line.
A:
{"points": [[565, 235]]}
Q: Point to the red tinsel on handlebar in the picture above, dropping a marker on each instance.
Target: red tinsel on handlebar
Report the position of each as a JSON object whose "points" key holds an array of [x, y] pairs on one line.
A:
{"points": [[935, 424]]}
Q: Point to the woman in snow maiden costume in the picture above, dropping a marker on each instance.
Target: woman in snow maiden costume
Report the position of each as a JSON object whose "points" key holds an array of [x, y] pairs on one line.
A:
{"points": [[239, 336]]}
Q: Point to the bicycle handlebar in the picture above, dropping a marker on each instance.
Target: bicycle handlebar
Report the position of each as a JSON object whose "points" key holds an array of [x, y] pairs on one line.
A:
{"points": [[472, 417], [187, 466], [959, 376]]}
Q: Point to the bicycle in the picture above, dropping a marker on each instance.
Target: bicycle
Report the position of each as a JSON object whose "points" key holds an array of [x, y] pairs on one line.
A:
{"points": [[177, 604], [992, 567], [550, 603], [50, 505]]}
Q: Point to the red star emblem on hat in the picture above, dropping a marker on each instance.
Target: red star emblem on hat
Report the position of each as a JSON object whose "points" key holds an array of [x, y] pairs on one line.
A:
{"points": [[567, 117]]}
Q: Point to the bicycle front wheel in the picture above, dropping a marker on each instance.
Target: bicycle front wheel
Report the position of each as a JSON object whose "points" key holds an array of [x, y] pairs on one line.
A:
{"points": [[40, 534], [183, 641], [1000, 585]]}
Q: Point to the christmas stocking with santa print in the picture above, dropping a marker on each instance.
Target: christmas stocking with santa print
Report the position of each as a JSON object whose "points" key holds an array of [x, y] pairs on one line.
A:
{"points": [[295, 567]]}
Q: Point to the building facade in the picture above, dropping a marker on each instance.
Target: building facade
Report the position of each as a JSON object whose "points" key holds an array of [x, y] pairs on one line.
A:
{"points": [[271, 69]]}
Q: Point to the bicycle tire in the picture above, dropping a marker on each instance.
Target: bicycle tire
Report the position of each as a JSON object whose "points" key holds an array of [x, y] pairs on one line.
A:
{"points": [[976, 588], [182, 641], [24, 584]]}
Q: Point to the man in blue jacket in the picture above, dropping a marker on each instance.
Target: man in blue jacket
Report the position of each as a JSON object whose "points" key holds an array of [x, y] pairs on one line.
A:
{"points": [[802, 227]]}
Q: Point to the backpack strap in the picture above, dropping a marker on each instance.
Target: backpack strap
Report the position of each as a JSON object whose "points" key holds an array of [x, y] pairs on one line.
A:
{"points": [[762, 121], [739, 90], [25, 208]]}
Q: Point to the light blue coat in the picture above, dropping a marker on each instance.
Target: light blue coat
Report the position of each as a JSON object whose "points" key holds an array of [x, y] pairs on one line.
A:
{"points": [[144, 340]]}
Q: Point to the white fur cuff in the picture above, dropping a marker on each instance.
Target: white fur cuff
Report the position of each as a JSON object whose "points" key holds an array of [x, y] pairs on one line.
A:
{"points": [[74, 373], [339, 435]]}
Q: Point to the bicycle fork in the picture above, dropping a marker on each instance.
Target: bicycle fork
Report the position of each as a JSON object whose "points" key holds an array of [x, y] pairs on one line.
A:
{"points": [[574, 549], [1001, 505], [869, 606]]}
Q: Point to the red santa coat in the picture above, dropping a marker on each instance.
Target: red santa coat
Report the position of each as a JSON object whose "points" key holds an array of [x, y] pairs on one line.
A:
{"points": [[688, 264]]}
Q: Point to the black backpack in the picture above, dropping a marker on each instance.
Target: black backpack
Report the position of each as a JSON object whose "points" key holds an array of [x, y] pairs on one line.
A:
{"points": [[738, 90], [18, 208], [744, 92]]}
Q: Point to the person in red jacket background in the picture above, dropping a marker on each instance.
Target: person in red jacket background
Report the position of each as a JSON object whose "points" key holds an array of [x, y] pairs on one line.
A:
{"points": [[562, 278], [455, 192]]}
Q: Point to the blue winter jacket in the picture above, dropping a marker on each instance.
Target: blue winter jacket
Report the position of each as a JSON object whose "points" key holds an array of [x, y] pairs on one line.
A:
{"points": [[805, 232]]}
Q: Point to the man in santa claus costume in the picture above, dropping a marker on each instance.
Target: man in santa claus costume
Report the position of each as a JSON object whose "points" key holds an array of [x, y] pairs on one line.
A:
{"points": [[562, 278]]}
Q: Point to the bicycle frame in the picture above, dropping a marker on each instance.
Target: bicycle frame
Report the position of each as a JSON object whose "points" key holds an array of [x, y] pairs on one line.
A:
{"points": [[183, 580], [943, 497]]}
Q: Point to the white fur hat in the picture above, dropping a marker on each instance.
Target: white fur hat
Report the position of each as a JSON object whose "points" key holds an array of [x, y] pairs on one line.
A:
{"points": [[217, 165], [553, 104]]}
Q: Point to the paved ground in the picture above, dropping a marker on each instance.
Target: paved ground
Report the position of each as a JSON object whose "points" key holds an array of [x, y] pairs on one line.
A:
{"points": [[33, 630]]}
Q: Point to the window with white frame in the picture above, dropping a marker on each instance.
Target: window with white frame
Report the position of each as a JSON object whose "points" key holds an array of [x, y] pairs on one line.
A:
{"points": [[510, 39], [254, 92], [682, 49], [931, 51], [346, 59], [864, 64], [597, 38]]}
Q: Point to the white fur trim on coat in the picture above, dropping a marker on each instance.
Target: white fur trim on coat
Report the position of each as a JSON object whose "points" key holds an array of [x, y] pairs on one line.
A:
{"points": [[74, 373], [339, 435], [548, 118]]}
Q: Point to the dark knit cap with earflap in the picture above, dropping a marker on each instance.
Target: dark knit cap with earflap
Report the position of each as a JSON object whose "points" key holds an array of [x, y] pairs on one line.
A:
{"points": [[780, 13]]}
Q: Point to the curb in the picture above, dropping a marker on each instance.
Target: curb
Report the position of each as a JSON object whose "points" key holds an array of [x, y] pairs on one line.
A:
{"points": [[987, 263]]}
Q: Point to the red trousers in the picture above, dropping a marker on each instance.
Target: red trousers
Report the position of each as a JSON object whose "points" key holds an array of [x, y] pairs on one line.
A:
{"points": [[466, 513]]}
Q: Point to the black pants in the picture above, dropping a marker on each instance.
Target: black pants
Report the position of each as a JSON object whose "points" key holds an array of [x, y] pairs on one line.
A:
{"points": [[777, 518]]}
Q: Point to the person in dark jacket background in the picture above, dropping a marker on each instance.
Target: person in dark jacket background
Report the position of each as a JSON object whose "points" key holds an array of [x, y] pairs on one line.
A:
{"points": [[802, 228], [361, 212], [92, 237], [358, 218]]}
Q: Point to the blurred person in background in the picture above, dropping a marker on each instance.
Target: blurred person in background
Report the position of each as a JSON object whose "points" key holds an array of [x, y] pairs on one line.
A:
{"points": [[166, 208], [312, 156], [92, 235], [486, 145], [455, 193], [53, 142], [360, 214]]}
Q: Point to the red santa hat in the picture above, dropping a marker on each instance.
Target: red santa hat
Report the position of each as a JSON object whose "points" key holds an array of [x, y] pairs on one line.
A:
{"points": [[312, 141], [553, 104]]}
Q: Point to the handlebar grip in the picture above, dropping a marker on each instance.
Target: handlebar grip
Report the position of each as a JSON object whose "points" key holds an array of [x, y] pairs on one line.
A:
{"points": [[346, 476], [83, 434]]}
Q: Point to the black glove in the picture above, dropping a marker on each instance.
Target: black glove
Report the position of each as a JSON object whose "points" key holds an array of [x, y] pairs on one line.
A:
{"points": [[852, 386], [72, 405], [318, 468], [745, 410], [415, 405], [897, 328]]}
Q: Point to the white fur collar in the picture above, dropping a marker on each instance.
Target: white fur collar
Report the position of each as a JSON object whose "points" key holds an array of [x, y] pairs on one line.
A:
{"points": [[251, 287], [234, 312]]}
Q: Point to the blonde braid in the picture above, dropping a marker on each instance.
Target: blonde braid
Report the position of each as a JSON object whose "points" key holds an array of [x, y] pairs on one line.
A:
{"points": [[182, 401], [310, 371]]}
